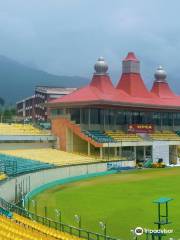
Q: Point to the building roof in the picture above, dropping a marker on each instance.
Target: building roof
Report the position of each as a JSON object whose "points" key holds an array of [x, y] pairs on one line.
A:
{"points": [[131, 57], [133, 85], [26, 99], [160, 86], [54, 89], [130, 90], [162, 90]]}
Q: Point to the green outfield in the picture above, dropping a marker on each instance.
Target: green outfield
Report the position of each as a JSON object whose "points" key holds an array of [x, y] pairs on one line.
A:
{"points": [[123, 200]]}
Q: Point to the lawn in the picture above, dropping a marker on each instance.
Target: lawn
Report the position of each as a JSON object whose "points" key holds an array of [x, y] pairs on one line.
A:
{"points": [[123, 201]]}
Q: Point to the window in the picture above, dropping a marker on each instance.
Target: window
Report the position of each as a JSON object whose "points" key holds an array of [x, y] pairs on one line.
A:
{"points": [[120, 117], [135, 117], [85, 115], [55, 112], [75, 115], [177, 119], [167, 119], [156, 118], [94, 116]]}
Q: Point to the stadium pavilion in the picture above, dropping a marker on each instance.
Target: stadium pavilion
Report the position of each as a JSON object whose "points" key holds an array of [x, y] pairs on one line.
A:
{"points": [[123, 122]]}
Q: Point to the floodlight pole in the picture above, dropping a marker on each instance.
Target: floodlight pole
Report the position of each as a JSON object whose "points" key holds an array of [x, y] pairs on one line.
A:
{"points": [[28, 203], [59, 214], [34, 202], [23, 201], [78, 220], [45, 211], [103, 226]]}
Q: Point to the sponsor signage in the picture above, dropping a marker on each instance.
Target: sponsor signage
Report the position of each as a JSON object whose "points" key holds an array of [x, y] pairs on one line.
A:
{"points": [[141, 128]]}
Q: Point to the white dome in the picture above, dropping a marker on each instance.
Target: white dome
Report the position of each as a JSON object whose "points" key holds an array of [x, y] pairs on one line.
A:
{"points": [[101, 66], [160, 74]]}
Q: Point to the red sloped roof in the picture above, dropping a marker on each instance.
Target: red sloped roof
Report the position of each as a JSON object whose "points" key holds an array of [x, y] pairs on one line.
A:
{"points": [[103, 83], [130, 90], [133, 84], [131, 57], [96, 92], [100, 89], [80, 95], [91, 94], [162, 90]]}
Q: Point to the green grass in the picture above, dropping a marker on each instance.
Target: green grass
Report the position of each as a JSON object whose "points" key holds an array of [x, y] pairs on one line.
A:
{"points": [[123, 201]]}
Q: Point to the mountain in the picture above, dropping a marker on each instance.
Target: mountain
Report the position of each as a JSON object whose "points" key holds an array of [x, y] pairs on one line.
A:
{"points": [[17, 81]]}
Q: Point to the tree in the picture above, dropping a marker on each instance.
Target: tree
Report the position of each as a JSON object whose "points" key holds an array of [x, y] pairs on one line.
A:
{"points": [[2, 102]]}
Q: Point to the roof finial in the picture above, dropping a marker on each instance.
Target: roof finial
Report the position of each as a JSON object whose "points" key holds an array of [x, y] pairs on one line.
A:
{"points": [[131, 64], [160, 74], [131, 57], [101, 66]]}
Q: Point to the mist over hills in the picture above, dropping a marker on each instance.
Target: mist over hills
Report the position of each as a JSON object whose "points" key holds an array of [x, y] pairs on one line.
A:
{"points": [[17, 80]]}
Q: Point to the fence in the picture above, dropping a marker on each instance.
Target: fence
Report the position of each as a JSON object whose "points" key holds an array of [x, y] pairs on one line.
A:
{"points": [[53, 224]]}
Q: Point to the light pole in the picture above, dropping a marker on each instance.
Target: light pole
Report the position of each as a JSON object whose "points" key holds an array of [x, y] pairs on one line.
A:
{"points": [[133, 234], [104, 228], [22, 199], [23, 202], [28, 203], [34, 203], [59, 215], [78, 220], [45, 211]]}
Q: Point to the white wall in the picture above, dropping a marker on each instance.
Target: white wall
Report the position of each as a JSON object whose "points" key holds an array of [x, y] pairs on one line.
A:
{"points": [[33, 180], [21, 138], [160, 149]]}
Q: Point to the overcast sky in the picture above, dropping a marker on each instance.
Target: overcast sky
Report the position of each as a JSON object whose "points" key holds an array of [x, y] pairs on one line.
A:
{"points": [[66, 36]]}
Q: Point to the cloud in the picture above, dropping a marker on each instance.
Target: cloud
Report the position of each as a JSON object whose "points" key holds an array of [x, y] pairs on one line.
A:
{"points": [[67, 36]]}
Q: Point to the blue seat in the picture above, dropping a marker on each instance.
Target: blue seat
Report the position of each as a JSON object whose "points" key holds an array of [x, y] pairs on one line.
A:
{"points": [[6, 213], [98, 136], [12, 165]]}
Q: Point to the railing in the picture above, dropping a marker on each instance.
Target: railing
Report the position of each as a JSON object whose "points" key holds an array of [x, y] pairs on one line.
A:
{"points": [[82, 233]]}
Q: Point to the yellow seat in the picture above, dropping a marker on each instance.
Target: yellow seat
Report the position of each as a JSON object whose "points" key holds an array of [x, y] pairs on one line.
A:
{"points": [[122, 136], [21, 129], [52, 233], [164, 136], [52, 156]]}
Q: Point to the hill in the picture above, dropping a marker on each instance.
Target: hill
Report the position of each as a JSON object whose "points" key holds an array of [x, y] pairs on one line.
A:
{"points": [[18, 80]]}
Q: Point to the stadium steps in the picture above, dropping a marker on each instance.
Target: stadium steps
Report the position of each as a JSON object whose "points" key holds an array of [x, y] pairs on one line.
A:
{"points": [[21, 130], [98, 136], [77, 131], [122, 136], [16, 165], [54, 234], [11, 229], [49, 156], [164, 136]]}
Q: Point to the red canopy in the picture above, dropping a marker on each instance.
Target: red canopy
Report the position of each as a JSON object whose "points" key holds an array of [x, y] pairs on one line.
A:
{"points": [[130, 90]]}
